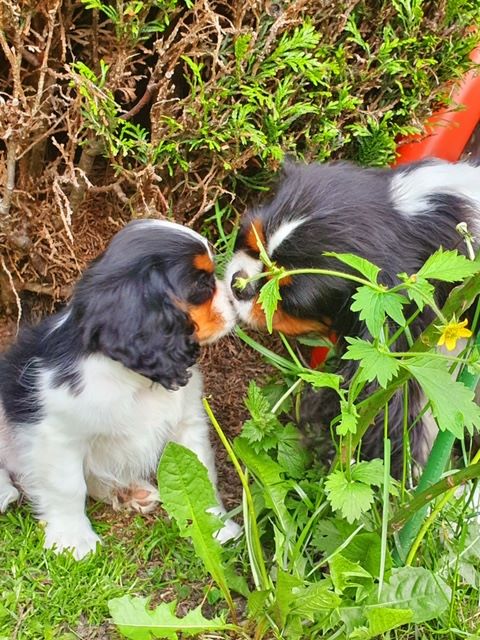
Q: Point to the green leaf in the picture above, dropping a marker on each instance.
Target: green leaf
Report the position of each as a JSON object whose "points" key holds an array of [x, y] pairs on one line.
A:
{"points": [[241, 46], [348, 419], [421, 292], [284, 597], [350, 497], [187, 494], [269, 475], [263, 427], [374, 305], [236, 582], [314, 599], [365, 547], [380, 620], [319, 379], [257, 602], [291, 453], [136, 621], [411, 595], [452, 403], [369, 472], [345, 573], [417, 589], [366, 268], [473, 363], [448, 266], [375, 363], [269, 298]]}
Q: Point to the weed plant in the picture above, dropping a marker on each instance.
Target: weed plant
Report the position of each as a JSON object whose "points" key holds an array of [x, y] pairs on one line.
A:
{"points": [[323, 553]]}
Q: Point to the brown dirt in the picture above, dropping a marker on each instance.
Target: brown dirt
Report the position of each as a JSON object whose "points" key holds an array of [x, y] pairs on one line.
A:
{"points": [[228, 366]]}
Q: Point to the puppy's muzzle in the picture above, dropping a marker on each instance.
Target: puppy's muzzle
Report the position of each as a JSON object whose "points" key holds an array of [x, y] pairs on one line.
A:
{"points": [[246, 293]]}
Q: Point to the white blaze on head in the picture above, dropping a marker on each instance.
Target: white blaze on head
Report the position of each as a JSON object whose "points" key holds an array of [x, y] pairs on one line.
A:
{"points": [[282, 233]]}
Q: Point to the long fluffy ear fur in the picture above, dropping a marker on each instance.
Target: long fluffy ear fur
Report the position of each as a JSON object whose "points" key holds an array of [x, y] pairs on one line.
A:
{"points": [[135, 321]]}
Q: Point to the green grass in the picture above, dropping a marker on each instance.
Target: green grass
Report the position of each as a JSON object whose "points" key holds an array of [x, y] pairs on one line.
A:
{"points": [[45, 596]]}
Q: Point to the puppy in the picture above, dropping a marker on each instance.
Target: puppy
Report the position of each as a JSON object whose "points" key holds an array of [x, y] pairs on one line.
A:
{"points": [[91, 395], [396, 218]]}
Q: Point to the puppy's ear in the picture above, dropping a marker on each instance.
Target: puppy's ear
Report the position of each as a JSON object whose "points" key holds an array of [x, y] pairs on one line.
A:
{"points": [[135, 321]]}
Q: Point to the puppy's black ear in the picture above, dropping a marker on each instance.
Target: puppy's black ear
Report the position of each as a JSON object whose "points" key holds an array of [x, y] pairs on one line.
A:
{"points": [[135, 321]]}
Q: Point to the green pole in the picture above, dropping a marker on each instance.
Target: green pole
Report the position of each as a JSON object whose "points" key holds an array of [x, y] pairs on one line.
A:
{"points": [[436, 464]]}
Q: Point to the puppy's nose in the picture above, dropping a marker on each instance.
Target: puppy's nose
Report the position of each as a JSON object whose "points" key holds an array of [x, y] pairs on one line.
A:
{"points": [[248, 292]]}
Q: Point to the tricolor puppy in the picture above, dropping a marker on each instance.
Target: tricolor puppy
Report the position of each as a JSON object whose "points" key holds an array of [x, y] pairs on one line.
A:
{"points": [[91, 395], [396, 218]]}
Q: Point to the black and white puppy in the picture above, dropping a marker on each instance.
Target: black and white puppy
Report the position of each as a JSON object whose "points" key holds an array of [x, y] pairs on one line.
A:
{"points": [[91, 395], [396, 218]]}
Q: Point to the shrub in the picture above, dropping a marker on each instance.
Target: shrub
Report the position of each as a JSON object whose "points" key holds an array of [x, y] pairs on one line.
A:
{"points": [[112, 110]]}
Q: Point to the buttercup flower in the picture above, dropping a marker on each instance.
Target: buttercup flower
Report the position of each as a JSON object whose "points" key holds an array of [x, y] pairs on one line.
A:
{"points": [[452, 332]]}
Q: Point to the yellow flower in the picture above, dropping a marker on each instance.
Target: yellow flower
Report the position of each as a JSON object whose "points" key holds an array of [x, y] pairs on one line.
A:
{"points": [[452, 332]]}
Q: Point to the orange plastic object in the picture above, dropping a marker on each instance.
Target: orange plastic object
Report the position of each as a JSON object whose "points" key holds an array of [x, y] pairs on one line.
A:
{"points": [[446, 135], [447, 131], [318, 356]]}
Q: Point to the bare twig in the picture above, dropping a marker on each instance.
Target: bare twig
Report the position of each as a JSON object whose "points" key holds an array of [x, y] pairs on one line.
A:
{"points": [[44, 68], [14, 290], [144, 100], [6, 201], [90, 151]]}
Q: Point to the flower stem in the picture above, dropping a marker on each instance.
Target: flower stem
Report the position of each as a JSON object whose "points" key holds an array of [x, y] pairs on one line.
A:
{"points": [[258, 559], [412, 532]]}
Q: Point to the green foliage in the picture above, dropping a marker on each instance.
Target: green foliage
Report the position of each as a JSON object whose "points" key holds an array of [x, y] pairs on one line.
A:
{"points": [[137, 621], [448, 266], [269, 298], [130, 19], [375, 305], [307, 520], [363, 266], [314, 84], [187, 494], [59, 598], [452, 404], [353, 495], [376, 363]]}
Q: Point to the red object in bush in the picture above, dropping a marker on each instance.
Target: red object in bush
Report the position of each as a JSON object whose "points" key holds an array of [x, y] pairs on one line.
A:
{"points": [[447, 133]]}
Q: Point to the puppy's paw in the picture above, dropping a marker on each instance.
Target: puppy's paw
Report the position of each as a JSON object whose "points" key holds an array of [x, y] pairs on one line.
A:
{"points": [[230, 529], [77, 537], [142, 497], [8, 494]]}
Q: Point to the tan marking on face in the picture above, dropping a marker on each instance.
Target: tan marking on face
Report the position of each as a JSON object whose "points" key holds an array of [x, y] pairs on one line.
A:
{"points": [[251, 238], [209, 323], [290, 325], [283, 282], [204, 262]]}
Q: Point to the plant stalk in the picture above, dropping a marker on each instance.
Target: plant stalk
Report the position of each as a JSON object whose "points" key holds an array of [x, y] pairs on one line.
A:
{"points": [[436, 464], [248, 496]]}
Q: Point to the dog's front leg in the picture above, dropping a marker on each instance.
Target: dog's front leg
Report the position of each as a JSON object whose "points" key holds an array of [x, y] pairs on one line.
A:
{"points": [[56, 485]]}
